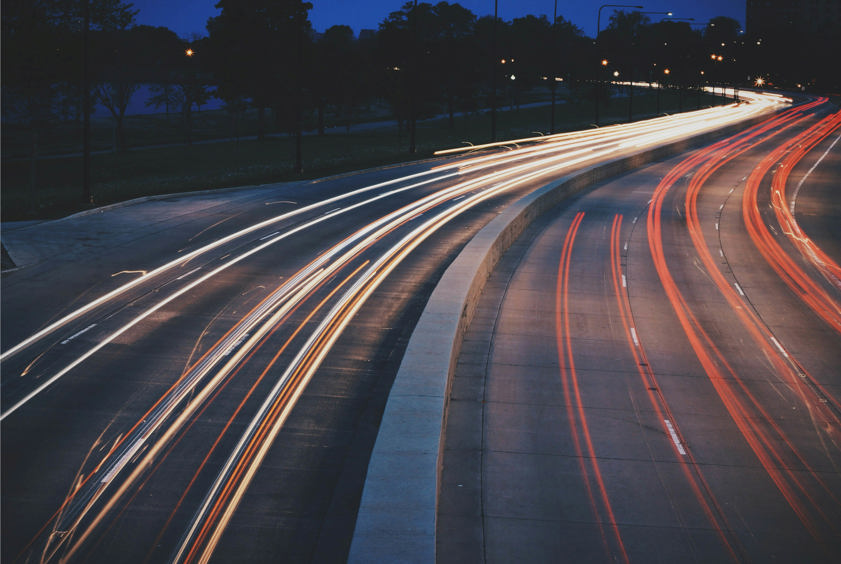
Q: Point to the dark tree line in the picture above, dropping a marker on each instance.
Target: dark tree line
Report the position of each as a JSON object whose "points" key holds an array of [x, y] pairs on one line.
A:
{"points": [[43, 61], [424, 59]]}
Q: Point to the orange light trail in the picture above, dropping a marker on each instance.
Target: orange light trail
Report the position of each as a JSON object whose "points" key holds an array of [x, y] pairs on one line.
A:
{"points": [[690, 468], [202, 380], [720, 373], [575, 405]]}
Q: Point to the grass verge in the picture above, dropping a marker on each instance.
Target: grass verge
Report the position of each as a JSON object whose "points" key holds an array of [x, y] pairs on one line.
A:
{"points": [[148, 171]]}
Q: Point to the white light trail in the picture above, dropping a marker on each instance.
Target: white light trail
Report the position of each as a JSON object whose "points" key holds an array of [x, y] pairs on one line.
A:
{"points": [[549, 158]]}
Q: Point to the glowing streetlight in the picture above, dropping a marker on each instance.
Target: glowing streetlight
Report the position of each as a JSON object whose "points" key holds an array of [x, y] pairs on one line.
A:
{"points": [[189, 52], [599, 15]]}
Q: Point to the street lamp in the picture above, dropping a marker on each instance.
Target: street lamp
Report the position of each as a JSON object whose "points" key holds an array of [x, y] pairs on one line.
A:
{"points": [[604, 61], [554, 84], [599, 15], [493, 73]]}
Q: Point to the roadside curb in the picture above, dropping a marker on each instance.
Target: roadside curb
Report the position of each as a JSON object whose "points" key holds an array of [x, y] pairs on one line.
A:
{"points": [[396, 521], [14, 258]]}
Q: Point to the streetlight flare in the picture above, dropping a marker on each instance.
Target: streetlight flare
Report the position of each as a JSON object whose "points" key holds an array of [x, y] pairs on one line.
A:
{"points": [[189, 52]]}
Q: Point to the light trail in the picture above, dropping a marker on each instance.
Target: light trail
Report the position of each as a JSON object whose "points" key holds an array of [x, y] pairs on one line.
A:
{"points": [[690, 123], [744, 408], [221, 502], [785, 213], [800, 283], [152, 422], [576, 417], [670, 127], [88, 505], [688, 464]]}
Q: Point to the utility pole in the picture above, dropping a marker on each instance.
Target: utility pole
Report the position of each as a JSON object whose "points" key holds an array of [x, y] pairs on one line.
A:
{"points": [[554, 83], [413, 70], [299, 126], [495, 57], [87, 194]]}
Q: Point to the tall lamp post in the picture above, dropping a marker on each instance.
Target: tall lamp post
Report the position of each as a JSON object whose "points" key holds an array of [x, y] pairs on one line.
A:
{"points": [[87, 192], [599, 83], [552, 77], [493, 74], [413, 79], [599, 14]]}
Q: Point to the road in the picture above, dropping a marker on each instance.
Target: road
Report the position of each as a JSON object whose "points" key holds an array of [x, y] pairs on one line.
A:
{"points": [[203, 375], [654, 370]]}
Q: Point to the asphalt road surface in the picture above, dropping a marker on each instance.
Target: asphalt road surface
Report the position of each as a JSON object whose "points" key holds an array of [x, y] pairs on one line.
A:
{"points": [[654, 372], [203, 375]]}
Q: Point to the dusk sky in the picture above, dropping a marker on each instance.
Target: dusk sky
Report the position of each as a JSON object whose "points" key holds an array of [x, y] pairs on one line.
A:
{"points": [[187, 17]]}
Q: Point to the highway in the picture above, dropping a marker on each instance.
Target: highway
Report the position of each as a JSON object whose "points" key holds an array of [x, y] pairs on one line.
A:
{"points": [[203, 376], [654, 370]]}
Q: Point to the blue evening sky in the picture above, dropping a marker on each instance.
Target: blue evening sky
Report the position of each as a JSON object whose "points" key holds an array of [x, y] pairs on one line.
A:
{"points": [[187, 17]]}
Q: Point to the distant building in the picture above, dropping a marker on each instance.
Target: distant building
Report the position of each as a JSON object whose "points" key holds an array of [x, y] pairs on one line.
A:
{"points": [[792, 42], [800, 17]]}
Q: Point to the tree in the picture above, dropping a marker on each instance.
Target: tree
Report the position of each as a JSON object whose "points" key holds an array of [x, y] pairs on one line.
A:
{"points": [[531, 60], [455, 55], [336, 73], [45, 62], [253, 50], [189, 79]]}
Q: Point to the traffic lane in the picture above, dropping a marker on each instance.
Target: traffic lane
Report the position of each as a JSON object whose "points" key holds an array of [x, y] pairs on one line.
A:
{"points": [[538, 409], [418, 183], [79, 258], [789, 321], [321, 235], [576, 148], [735, 477], [815, 196], [783, 423], [185, 274], [332, 540], [179, 342]]}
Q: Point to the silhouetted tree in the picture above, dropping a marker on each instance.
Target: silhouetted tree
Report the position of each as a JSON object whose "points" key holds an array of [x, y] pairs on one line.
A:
{"points": [[253, 51], [338, 74], [454, 53], [43, 62]]}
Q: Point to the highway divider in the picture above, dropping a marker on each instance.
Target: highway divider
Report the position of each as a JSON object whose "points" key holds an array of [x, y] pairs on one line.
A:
{"points": [[397, 513]]}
